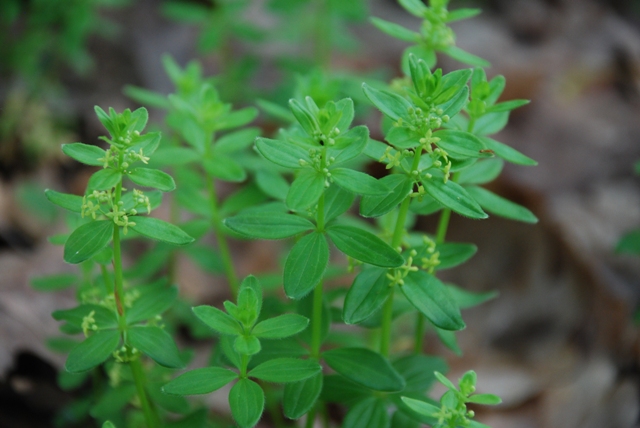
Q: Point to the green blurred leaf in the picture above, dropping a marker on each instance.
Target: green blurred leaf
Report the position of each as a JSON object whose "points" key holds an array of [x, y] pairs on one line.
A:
{"points": [[87, 241], [93, 351], [156, 344], [500, 206], [367, 294], [200, 381], [365, 367], [265, 225], [299, 397], [85, 153], [285, 370], [370, 412], [160, 230], [218, 320]]}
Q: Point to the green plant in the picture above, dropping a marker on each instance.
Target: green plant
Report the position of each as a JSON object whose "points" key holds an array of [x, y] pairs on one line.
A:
{"points": [[300, 184]]}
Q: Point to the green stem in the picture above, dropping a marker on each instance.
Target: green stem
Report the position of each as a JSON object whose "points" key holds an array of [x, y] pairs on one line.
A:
{"points": [[139, 378], [396, 242], [118, 291], [311, 417], [244, 362], [223, 245]]}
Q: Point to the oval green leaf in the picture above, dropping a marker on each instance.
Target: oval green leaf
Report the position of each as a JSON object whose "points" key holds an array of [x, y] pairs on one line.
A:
{"points": [[453, 196], [200, 381], [160, 230], [299, 397], [358, 182], [65, 200], [369, 291], [265, 225], [85, 153], [93, 351], [366, 368], [305, 265], [280, 327], [218, 320], [87, 241], [156, 344], [500, 206], [155, 178], [246, 400], [285, 370], [364, 246]]}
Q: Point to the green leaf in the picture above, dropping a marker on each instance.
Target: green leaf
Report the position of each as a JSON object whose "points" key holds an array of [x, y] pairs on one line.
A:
{"points": [[364, 246], [453, 196], [465, 57], [446, 382], [105, 120], [402, 137], [448, 339], [235, 141], [280, 327], [349, 145], [466, 299], [151, 304], [336, 202], [147, 97], [113, 400], [155, 178], [490, 123], [422, 407], [306, 189], [246, 400], [358, 182], [147, 143], [459, 14], [156, 344], [417, 371], [369, 291], [54, 282], [87, 241], [304, 117], [370, 412], [276, 111], [93, 351], [266, 225], [246, 345], [65, 200], [305, 265], [225, 168], [200, 381], [235, 119], [174, 156], [282, 153], [507, 153], [453, 254], [285, 370], [400, 187], [481, 172], [104, 179], [507, 106], [218, 320], [299, 397], [160, 230], [630, 243], [339, 389], [432, 298], [487, 399], [171, 403], [104, 318], [500, 206], [395, 30], [85, 153], [272, 184], [108, 424], [460, 144], [390, 104], [139, 119], [365, 367], [414, 7]]}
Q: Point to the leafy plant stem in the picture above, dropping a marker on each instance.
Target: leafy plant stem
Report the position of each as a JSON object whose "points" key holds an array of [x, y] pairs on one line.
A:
{"points": [[396, 242], [117, 258], [223, 245], [311, 417], [316, 318], [150, 415], [244, 362]]}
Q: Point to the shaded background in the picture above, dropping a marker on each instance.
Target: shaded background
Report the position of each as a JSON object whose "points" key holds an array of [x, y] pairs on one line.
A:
{"points": [[559, 345]]}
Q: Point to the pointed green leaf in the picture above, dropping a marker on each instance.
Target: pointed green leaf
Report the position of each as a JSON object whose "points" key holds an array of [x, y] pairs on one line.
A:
{"points": [[358, 182], [490, 123], [417, 370], [200, 381], [104, 179], [155, 178], [402, 137], [507, 153], [465, 57], [366, 368], [218, 320], [460, 144], [235, 119], [390, 104], [369, 291], [247, 345], [336, 202], [306, 189], [299, 397], [85, 153], [364, 246], [453, 196], [507, 106], [151, 304], [87, 241], [225, 168], [370, 412], [453, 254], [246, 400], [285, 370], [395, 30], [500, 206], [304, 117], [157, 344], [282, 153], [448, 339], [234, 141], [399, 188], [272, 184], [65, 200], [432, 298], [160, 230], [280, 327], [466, 299], [414, 7], [93, 351], [104, 318], [349, 145], [464, 13], [305, 265], [481, 172], [113, 400], [486, 399], [265, 225], [422, 407]]}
